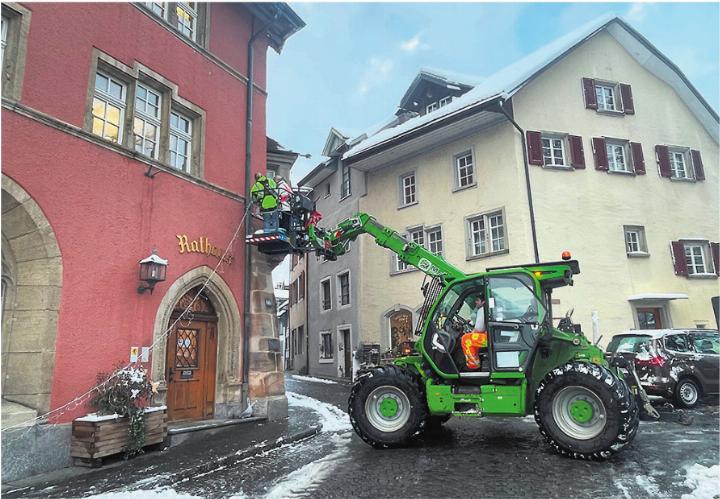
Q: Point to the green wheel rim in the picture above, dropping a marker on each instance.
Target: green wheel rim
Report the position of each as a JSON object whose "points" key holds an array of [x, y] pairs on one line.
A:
{"points": [[579, 412], [387, 408]]}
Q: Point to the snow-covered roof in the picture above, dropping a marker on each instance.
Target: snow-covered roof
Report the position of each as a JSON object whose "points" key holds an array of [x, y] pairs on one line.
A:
{"points": [[453, 77], [506, 82], [658, 296]]}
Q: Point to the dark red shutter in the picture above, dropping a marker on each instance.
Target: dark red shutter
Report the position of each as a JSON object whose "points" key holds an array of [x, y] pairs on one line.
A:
{"points": [[589, 92], [534, 145], [697, 164], [715, 250], [577, 153], [678, 255], [663, 160], [637, 158], [601, 160], [626, 93]]}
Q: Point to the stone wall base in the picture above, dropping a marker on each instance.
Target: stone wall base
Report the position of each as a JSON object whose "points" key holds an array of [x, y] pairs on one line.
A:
{"points": [[273, 408], [35, 450]]}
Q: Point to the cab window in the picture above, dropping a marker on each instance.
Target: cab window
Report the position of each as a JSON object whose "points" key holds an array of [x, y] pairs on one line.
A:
{"points": [[512, 300]]}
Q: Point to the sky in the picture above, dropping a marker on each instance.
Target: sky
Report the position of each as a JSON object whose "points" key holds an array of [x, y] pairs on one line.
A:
{"points": [[349, 67]]}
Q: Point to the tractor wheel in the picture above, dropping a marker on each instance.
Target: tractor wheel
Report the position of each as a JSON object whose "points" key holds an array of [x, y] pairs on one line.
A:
{"points": [[687, 393], [387, 407], [586, 412]]}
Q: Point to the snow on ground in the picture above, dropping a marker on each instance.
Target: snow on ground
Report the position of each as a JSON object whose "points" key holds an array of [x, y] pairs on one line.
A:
{"points": [[704, 481], [314, 380], [299, 481], [332, 418], [163, 493], [648, 483]]}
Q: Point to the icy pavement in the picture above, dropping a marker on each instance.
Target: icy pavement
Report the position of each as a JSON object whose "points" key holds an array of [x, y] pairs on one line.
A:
{"points": [[313, 379]]}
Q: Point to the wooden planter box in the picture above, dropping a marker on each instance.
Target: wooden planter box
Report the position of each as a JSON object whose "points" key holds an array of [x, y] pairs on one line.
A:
{"points": [[95, 437]]}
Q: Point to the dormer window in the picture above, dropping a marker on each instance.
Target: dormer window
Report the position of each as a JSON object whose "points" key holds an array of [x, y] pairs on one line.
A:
{"points": [[445, 101], [431, 107]]}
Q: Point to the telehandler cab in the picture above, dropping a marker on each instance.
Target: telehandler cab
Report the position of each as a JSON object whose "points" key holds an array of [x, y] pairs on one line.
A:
{"points": [[581, 403]]}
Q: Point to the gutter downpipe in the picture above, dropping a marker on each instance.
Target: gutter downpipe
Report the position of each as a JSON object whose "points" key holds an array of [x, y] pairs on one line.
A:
{"points": [[248, 225], [527, 180]]}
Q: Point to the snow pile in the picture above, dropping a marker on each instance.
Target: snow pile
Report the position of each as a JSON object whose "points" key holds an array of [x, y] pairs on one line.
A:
{"points": [[704, 481], [298, 482], [648, 483], [332, 418], [313, 379], [163, 493]]}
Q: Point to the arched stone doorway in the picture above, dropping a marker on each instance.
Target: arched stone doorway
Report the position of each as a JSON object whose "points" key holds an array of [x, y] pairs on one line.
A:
{"points": [[31, 285], [399, 327], [228, 377], [192, 358]]}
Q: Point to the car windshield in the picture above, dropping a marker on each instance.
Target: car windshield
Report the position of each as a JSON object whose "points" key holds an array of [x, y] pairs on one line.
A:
{"points": [[629, 344], [706, 342], [514, 301]]}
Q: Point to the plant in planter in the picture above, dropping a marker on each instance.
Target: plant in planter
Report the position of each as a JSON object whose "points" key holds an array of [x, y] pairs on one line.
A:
{"points": [[126, 392]]}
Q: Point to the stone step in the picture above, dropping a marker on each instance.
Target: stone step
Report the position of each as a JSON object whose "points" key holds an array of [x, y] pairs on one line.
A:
{"points": [[14, 413]]}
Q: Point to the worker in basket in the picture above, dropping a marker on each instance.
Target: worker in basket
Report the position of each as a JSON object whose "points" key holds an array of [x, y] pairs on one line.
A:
{"points": [[273, 195], [476, 339]]}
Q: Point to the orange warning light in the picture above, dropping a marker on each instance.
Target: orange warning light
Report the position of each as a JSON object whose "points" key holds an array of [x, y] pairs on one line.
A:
{"points": [[566, 255]]}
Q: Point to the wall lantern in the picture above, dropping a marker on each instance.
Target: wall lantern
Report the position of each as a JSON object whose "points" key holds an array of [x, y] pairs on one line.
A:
{"points": [[152, 271]]}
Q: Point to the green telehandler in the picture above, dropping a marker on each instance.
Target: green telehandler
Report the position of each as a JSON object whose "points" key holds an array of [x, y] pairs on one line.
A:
{"points": [[581, 403]]}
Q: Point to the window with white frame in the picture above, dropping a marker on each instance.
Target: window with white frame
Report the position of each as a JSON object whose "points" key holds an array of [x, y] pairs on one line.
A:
{"points": [[486, 233], [606, 97], [4, 37], [326, 346], [187, 18], [635, 243], [407, 189], [180, 141], [553, 151], [464, 169], [617, 156], [679, 164], [697, 258], [343, 289], [147, 122], [433, 106], [325, 296], [345, 189], [434, 240], [157, 8], [445, 101], [415, 235], [108, 107]]}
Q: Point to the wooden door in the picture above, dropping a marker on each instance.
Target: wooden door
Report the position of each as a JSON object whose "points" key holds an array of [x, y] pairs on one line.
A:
{"points": [[649, 318], [191, 365]]}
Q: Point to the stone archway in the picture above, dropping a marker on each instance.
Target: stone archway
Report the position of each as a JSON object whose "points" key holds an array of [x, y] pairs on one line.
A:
{"points": [[228, 392], [31, 285], [399, 324]]}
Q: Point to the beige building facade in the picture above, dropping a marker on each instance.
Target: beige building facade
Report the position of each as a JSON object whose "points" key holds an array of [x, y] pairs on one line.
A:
{"points": [[622, 164]]}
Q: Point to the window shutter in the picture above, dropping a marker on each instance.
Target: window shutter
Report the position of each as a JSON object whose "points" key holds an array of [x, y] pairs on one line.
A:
{"points": [[715, 250], [663, 160], [637, 158], [697, 165], [678, 256], [626, 94], [601, 160], [589, 92], [534, 145], [577, 153]]}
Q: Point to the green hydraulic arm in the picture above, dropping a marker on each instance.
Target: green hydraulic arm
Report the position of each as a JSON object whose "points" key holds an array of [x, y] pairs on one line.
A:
{"points": [[333, 243]]}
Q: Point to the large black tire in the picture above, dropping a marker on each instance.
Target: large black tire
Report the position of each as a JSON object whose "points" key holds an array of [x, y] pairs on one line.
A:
{"points": [[687, 393], [371, 403], [584, 411]]}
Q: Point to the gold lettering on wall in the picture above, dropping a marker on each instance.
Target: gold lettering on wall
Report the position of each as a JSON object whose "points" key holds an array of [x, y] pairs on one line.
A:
{"points": [[201, 245]]}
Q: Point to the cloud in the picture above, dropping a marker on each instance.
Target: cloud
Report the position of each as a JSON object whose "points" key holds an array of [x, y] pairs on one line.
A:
{"points": [[413, 44], [636, 13], [378, 71]]}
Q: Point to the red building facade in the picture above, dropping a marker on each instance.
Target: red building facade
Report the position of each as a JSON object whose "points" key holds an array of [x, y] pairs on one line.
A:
{"points": [[124, 132]]}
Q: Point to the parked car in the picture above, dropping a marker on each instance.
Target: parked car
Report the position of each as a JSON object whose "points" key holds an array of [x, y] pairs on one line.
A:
{"points": [[682, 365]]}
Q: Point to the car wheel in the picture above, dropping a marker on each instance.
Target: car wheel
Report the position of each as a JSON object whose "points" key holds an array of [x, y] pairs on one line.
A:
{"points": [[687, 393]]}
